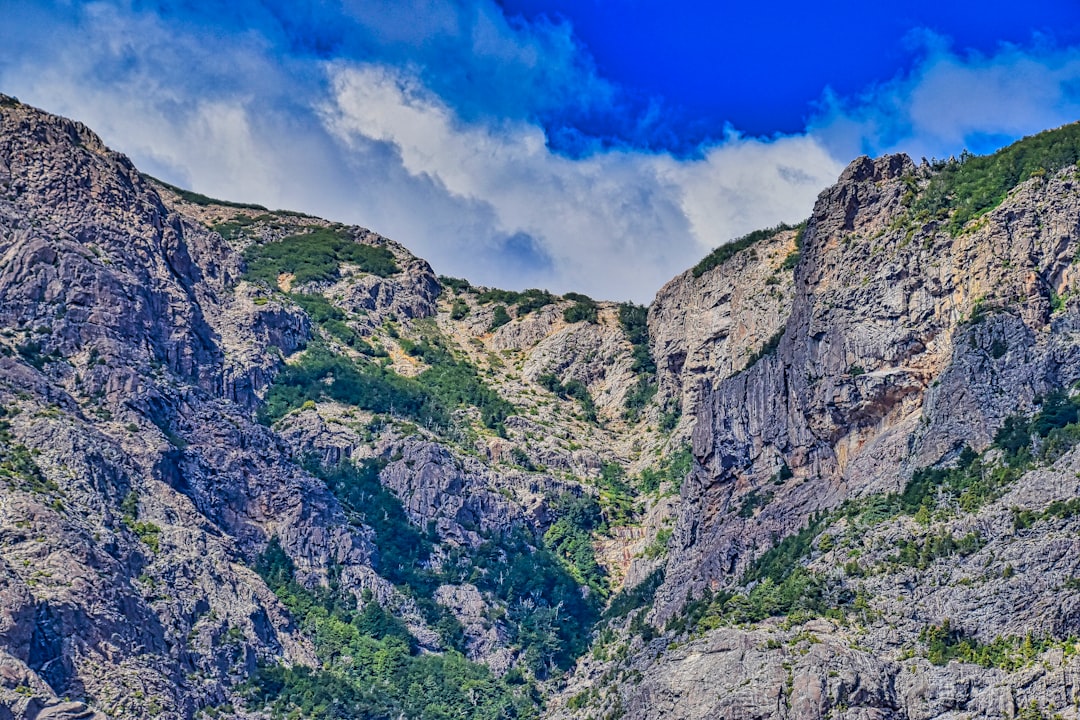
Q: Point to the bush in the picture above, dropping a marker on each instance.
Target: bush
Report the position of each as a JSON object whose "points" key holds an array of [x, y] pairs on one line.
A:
{"points": [[581, 311], [499, 318]]}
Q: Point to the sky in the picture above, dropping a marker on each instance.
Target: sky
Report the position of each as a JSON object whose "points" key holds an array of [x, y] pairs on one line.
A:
{"points": [[600, 147]]}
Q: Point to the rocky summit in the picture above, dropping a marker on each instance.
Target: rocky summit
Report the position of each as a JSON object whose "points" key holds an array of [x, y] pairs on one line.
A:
{"points": [[258, 464]]}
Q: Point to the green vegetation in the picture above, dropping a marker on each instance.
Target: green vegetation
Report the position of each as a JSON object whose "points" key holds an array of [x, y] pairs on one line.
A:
{"points": [[972, 483], [945, 643], [17, 466], [499, 318], [526, 301], [322, 375], [1060, 509], [965, 188], [584, 309], [768, 348], [779, 583], [370, 667], [725, 252], [332, 320], [458, 285], [570, 389], [459, 309], [571, 538], [633, 319], [315, 256], [456, 383], [447, 384], [148, 533], [404, 550], [673, 469], [550, 618], [616, 495], [639, 596], [200, 199], [922, 552]]}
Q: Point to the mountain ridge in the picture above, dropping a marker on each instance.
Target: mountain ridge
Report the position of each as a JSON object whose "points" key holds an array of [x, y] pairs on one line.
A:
{"points": [[402, 480]]}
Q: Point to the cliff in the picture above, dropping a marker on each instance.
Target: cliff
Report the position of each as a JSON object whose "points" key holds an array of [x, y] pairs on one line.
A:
{"points": [[255, 463]]}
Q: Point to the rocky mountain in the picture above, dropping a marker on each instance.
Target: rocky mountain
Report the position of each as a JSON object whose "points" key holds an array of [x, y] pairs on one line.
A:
{"points": [[258, 464]]}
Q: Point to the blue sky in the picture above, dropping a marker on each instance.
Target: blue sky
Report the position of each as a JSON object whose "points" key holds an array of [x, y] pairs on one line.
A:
{"points": [[594, 146]]}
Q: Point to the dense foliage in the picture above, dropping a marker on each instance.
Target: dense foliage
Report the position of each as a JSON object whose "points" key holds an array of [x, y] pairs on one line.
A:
{"points": [[965, 188], [369, 665], [725, 252], [315, 256], [571, 538], [323, 375], [456, 383], [448, 383], [331, 319], [499, 317], [584, 309], [526, 301], [549, 616]]}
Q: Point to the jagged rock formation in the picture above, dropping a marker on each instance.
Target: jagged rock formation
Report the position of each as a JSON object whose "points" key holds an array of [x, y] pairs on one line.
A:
{"points": [[138, 490], [179, 384], [904, 345]]}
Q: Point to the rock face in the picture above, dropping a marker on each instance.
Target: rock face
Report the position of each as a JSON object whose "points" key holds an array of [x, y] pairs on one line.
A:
{"points": [[904, 345], [815, 373], [705, 327], [137, 490]]}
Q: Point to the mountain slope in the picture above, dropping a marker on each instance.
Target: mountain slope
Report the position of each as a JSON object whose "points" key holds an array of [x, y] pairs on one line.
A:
{"points": [[255, 463], [907, 592]]}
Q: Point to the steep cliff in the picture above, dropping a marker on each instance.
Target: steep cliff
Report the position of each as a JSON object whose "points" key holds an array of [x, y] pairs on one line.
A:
{"points": [[910, 438], [257, 463]]}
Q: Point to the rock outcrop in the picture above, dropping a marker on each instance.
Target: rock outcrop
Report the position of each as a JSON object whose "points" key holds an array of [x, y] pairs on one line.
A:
{"points": [[853, 537]]}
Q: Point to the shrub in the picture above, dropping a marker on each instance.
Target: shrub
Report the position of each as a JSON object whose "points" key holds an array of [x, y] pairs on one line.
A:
{"points": [[499, 318], [965, 188]]}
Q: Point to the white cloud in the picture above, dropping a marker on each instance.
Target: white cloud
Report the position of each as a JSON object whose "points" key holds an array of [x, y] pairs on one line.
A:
{"points": [[618, 223], [952, 100], [378, 143]]}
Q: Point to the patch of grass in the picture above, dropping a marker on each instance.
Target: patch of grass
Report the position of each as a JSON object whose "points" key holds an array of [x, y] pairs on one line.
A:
{"points": [[316, 256]]}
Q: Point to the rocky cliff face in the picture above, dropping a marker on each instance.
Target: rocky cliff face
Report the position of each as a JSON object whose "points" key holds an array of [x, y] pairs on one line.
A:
{"points": [[138, 492], [225, 429], [905, 344]]}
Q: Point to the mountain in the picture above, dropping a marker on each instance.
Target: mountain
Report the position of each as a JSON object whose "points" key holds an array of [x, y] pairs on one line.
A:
{"points": [[259, 464]]}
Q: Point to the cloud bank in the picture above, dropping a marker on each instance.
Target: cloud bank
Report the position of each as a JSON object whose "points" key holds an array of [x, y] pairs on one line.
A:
{"points": [[427, 121]]}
